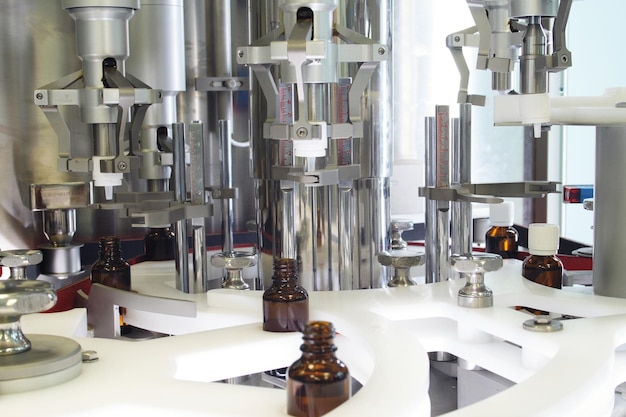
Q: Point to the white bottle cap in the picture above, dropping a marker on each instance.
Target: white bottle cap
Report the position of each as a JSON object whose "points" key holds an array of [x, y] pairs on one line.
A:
{"points": [[543, 239], [501, 214]]}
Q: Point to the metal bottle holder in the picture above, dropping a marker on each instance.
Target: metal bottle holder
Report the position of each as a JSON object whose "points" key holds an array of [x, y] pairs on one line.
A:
{"points": [[475, 293], [39, 360]]}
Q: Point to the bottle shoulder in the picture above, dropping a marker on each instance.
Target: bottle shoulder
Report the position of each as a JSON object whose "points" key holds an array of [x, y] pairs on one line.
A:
{"points": [[283, 291], [542, 262], [318, 368], [502, 231]]}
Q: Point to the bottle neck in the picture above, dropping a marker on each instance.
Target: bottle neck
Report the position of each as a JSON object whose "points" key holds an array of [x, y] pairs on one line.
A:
{"points": [[110, 247], [318, 339], [285, 270]]}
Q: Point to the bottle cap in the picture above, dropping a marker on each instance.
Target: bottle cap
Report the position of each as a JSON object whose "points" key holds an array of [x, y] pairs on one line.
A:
{"points": [[543, 239], [501, 214]]}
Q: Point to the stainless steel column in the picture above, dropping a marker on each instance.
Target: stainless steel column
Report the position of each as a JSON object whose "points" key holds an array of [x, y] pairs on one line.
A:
{"points": [[608, 212], [461, 219], [335, 231], [157, 45], [180, 227]]}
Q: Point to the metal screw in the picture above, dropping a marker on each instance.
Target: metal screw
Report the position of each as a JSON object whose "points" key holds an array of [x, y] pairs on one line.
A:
{"points": [[122, 166], [381, 51], [302, 132], [457, 38], [240, 53], [564, 59], [39, 96], [90, 356]]}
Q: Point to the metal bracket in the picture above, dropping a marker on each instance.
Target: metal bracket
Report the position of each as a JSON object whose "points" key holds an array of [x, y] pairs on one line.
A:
{"points": [[222, 84], [330, 176], [102, 301], [486, 193], [220, 193]]}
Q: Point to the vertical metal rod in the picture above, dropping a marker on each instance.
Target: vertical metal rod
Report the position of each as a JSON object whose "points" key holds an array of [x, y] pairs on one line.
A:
{"points": [[225, 131], [198, 196], [442, 115], [461, 222], [180, 227], [431, 205], [200, 276]]}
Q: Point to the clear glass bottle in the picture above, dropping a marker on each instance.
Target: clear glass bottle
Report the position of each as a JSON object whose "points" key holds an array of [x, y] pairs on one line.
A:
{"points": [[543, 266], [285, 303], [501, 238], [317, 382], [111, 269], [160, 244]]}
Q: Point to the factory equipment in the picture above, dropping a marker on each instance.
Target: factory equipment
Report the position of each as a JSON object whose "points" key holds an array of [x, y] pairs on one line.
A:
{"points": [[285, 117], [320, 162]]}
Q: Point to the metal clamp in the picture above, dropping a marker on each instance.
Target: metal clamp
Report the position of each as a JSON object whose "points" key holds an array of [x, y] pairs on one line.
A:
{"points": [[234, 263], [19, 297], [401, 260], [475, 293]]}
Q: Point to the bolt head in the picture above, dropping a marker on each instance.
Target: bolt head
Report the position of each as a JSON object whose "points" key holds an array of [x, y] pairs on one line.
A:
{"points": [[381, 51], [122, 166], [476, 263], [240, 53], [401, 258], [302, 132], [233, 260], [20, 257]]}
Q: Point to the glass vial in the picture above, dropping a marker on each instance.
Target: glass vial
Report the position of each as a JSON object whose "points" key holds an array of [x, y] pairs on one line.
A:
{"points": [[111, 269], [542, 266], [317, 382], [285, 303], [160, 244], [501, 237]]}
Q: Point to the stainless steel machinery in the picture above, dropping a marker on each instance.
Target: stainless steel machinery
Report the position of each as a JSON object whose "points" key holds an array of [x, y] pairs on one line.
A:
{"points": [[321, 152]]}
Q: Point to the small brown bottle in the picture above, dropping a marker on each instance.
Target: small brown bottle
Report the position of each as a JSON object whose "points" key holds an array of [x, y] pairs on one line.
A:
{"points": [[317, 382], [501, 237], [285, 303], [160, 244], [542, 266], [111, 269]]}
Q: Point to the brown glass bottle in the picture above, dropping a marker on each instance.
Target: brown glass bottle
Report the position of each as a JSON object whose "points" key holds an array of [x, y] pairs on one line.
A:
{"points": [[542, 265], [544, 270], [317, 382], [501, 238], [111, 269], [285, 303], [160, 244]]}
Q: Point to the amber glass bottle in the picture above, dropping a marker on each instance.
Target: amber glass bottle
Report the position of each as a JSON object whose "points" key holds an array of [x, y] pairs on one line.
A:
{"points": [[285, 303], [160, 244], [543, 266], [111, 269], [501, 238], [317, 382]]}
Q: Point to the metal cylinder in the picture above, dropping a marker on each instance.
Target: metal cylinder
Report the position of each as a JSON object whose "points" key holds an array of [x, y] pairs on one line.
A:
{"points": [[608, 212], [532, 78], [60, 260], [59, 226], [335, 231], [526, 8], [461, 216], [157, 45], [101, 32]]}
